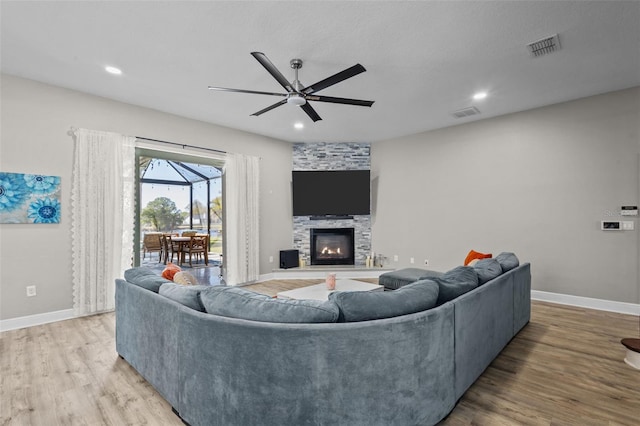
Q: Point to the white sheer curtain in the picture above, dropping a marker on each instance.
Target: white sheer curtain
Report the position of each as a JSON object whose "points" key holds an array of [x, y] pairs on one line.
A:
{"points": [[102, 216], [242, 181]]}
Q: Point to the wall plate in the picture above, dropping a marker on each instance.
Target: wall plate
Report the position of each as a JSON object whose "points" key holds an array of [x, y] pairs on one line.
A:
{"points": [[617, 225], [627, 225], [611, 225]]}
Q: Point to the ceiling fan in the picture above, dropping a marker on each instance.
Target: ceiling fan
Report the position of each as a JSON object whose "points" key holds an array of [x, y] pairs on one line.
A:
{"points": [[299, 95]]}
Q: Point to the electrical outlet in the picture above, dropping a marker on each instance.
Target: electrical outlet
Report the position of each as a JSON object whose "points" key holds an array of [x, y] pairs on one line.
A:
{"points": [[395, 257], [270, 259], [426, 262], [412, 260], [31, 290]]}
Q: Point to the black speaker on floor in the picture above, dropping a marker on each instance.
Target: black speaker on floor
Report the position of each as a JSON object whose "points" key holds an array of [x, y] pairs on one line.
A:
{"points": [[289, 258]]}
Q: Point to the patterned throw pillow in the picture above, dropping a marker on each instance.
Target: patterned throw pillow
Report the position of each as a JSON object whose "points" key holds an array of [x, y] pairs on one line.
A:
{"points": [[184, 278]]}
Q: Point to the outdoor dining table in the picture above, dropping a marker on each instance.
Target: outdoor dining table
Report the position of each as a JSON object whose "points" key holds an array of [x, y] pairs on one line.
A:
{"points": [[182, 243]]}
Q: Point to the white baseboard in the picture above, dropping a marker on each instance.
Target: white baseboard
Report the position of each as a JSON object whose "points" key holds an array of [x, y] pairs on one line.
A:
{"points": [[587, 302], [265, 277], [38, 319]]}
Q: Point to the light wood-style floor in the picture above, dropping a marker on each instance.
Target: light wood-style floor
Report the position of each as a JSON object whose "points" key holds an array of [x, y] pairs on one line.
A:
{"points": [[565, 368]]}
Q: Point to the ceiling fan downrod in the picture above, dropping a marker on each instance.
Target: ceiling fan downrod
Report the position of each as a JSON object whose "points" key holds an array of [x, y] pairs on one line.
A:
{"points": [[296, 98]]}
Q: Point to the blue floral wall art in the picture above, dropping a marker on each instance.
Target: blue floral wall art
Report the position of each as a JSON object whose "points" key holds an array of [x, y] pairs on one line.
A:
{"points": [[28, 198]]}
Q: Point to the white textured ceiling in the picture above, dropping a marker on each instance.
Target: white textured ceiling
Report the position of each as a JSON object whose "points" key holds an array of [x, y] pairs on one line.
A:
{"points": [[424, 60]]}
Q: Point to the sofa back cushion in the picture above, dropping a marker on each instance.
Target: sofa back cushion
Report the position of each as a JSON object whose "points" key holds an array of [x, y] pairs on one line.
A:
{"points": [[145, 278], [183, 294], [370, 305], [238, 303], [507, 261], [138, 272], [456, 282], [487, 269]]}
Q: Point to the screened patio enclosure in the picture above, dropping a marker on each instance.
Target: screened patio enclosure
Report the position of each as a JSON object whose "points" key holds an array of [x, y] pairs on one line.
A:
{"points": [[176, 196]]}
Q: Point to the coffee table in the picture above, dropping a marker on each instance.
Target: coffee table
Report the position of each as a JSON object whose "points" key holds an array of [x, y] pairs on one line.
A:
{"points": [[320, 292]]}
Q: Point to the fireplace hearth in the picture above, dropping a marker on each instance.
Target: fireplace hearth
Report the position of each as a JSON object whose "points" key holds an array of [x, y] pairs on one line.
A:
{"points": [[332, 246]]}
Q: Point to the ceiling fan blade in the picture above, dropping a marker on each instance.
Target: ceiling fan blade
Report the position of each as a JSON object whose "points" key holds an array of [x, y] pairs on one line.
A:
{"points": [[335, 79], [334, 100], [310, 112], [253, 92], [268, 65], [269, 108]]}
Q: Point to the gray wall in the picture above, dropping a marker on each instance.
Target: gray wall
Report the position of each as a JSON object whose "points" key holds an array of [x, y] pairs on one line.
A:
{"points": [[537, 183], [35, 120]]}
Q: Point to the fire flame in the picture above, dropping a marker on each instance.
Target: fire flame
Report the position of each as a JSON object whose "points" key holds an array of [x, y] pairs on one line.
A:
{"points": [[327, 250]]}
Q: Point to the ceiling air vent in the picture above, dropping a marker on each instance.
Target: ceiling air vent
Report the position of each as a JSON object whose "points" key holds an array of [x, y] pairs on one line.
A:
{"points": [[546, 45], [465, 112]]}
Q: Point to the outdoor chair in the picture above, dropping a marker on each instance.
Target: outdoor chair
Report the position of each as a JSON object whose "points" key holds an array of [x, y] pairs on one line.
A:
{"points": [[152, 243], [166, 247], [171, 247], [198, 246]]}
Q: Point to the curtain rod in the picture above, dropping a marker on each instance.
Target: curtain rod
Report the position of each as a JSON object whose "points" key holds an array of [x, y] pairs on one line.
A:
{"points": [[182, 145]]}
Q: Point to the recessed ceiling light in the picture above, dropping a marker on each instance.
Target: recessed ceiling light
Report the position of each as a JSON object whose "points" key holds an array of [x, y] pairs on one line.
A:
{"points": [[113, 70], [298, 125], [479, 96]]}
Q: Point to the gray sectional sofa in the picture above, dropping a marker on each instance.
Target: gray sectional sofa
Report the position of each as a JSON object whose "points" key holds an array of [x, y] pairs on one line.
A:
{"points": [[409, 369]]}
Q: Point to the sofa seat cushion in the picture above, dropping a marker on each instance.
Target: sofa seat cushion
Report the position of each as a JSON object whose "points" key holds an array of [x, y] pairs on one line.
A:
{"points": [[369, 305], [183, 294], [507, 261], [456, 282], [401, 277], [487, 269], [145, 278], [238, 303]]}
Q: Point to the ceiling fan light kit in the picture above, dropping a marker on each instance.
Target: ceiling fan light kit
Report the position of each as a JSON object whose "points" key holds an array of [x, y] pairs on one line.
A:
{"points": [[296, 99], [297, 94]]}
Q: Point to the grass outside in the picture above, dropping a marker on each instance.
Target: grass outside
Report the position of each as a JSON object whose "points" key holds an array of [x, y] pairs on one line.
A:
{"points": [[215, 245]]}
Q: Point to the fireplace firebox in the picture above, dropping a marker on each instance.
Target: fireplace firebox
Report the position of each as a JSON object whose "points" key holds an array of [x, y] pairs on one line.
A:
{"points": [[332, 246]]}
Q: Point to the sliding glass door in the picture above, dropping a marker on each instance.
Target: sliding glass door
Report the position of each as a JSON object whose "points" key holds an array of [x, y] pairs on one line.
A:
{"points": [[176, 194]]}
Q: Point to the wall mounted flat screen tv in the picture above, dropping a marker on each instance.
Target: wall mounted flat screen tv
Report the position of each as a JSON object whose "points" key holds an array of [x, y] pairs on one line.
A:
{"points": [[331, 192]]}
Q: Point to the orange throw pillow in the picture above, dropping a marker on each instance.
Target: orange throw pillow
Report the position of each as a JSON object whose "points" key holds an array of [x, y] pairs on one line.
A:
{"points": [[170, 271], [476, 255]]}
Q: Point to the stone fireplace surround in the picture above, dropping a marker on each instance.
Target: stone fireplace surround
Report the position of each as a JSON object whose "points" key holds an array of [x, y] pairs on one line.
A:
{"points": [[332, 156]]}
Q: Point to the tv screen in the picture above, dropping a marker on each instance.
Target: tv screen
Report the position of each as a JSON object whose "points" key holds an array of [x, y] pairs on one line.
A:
{"points": [[334, 192]]}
